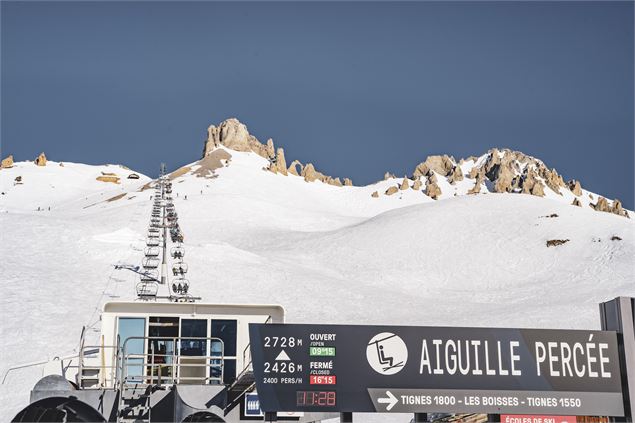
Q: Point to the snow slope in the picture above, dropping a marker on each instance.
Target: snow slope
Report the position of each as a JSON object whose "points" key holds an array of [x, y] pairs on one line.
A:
{"points": [[62, 186], [327, 254]]}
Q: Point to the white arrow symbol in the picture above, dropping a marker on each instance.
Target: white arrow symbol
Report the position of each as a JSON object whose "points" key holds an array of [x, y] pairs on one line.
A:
{"points": [[391, 400]]}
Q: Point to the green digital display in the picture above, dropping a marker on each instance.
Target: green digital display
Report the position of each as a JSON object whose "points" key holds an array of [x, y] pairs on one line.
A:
{"points": [[322, 351]]}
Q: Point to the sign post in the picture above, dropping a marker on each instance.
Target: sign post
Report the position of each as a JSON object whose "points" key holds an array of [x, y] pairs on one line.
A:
{"points": [[619, 315], [405, 369]]}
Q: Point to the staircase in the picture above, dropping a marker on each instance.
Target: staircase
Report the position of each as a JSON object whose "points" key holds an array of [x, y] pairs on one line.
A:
{"points": [[134, 403], [245, 382]]}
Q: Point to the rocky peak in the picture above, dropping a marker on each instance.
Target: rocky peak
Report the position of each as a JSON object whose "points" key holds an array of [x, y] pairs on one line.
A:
{"points": [[40, 160], [7, 162], [234, 135], [442, 165]]}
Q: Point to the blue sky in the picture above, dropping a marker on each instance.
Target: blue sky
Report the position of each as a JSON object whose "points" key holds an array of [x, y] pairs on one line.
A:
{"points": [[356, 88]]}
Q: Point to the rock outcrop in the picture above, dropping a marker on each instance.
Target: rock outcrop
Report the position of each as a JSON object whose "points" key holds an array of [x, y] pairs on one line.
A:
{"points": [[506, 170], [529, 183], [233, 134], [575, 187], [392, 190], [475, 171], [477, 185], [310, 174], [442, 165], [209, 164], [271, 151], [278, 164], [603, 205], [108, 178], [293, 168], [552, 179], [6, 162], [455, 175], [432, 188], [40, 160], [576, 202], [500, 170], [616, 208]]}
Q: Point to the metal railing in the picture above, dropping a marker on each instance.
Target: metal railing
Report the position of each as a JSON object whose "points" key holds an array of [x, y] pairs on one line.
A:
{"points": [[105, 373], [168, 367], [247, 350], [36, 363]]}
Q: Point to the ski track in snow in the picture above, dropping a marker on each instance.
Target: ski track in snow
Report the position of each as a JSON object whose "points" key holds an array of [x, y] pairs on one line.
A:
{"points": [[327, 254]]}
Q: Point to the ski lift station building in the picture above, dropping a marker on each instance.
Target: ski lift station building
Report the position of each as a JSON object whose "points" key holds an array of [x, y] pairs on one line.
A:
{"points": [[155, 361]]}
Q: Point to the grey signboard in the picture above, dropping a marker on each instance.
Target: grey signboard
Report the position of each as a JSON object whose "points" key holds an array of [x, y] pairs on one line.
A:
{"points": [[435, 369]]}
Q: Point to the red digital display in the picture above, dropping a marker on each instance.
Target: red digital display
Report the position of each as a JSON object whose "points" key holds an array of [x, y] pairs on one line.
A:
{"points": [[323, 380], [315, 398]]}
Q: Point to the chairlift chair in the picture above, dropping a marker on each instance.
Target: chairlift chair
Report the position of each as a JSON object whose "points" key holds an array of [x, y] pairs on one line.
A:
{"points": [[179, 269], [177, 252], [150, 262], [152, 251], [180, 285], [151, 275], [147, 289]]}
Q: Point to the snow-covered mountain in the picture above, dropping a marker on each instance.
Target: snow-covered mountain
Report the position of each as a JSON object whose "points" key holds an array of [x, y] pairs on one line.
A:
{"points": [[63, 186], [419, 250]]}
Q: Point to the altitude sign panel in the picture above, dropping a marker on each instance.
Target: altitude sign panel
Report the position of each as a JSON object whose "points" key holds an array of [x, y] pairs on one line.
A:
{"points": [[338, 368]]}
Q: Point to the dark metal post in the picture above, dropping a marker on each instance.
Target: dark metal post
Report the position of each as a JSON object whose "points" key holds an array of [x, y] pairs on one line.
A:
{"points": [[496, 418], [271, 416], [346, 417], [421, 417], [164, 261], [619, 315]]}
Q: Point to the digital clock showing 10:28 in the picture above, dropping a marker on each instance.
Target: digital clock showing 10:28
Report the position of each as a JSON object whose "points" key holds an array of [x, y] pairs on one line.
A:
{"points": [[315, 398]]}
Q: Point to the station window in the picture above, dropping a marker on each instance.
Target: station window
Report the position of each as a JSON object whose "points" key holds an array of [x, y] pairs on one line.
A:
{"points": [[161, 348], [226, 330], [196, 328], [130, 328]]}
